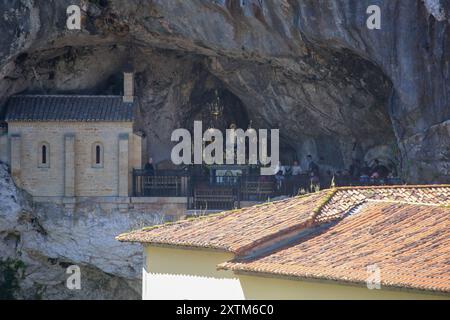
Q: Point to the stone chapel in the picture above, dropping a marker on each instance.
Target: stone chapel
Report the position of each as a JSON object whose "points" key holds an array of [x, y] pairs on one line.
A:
{"points": [[64, 147]]}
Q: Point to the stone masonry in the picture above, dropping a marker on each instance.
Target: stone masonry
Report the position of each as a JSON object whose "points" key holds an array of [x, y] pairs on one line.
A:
{"points": [[71, 171]]}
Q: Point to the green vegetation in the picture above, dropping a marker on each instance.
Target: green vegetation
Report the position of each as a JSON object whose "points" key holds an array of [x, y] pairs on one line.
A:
{"points": [[324, 202], [11, 271], [40, 289]]}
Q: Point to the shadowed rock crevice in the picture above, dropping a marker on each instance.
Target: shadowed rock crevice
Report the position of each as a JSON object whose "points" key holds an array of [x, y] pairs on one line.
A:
{"points": [[332, 104]]}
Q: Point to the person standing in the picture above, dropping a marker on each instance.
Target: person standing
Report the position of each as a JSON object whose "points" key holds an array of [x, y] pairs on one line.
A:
{"points": [[280, 172], [296, 169], [149, 168], [296, 172], [313, 170]]}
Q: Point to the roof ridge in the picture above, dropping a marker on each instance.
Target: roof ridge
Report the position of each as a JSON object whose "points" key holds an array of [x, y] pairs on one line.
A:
{"points": [[328, 197]]}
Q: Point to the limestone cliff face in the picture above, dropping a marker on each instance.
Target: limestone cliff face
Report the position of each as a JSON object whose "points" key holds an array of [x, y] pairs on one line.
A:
{"points": [[309, 67], [38, 242]]}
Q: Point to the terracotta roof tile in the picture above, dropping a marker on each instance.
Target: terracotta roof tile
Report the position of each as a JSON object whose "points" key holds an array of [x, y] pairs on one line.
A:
{"points": [[240, 230], [237, 230], [347, 198], [409, 243]]}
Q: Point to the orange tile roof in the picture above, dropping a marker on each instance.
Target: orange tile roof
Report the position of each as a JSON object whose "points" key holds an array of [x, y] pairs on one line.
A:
{"points": [[348, 197], [410, 244], [240, 230], [235, 231]]}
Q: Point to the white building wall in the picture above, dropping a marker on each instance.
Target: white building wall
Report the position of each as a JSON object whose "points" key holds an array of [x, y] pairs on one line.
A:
{"points": [[182, 274], [186, 287]]}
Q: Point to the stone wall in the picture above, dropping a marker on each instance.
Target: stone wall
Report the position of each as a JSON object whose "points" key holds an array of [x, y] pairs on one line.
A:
{"points": [[88, 179]]}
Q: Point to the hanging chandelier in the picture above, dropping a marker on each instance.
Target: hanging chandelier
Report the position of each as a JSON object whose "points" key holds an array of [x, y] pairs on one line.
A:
{"points": [[216, 107]]}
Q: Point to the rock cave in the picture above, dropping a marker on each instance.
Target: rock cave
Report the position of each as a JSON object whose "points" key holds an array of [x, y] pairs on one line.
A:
{"points": [[335, 89]]}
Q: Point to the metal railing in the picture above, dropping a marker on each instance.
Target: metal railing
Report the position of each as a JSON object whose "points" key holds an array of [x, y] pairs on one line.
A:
{"points": [[207, 192], [214, 193], [160, 184]]}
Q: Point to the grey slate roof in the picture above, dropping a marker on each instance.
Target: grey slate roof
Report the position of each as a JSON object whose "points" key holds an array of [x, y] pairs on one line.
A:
{"points": [[68, 108]]}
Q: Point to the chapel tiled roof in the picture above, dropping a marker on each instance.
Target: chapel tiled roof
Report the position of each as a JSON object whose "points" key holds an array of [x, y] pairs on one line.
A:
{"points": [[241, 230], [68, 108], [408, 243]]}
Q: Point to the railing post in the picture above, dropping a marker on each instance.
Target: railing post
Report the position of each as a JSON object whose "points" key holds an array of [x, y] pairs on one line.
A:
{"points": [[239, 186], [134, 183], [190, 192], [187, 188]]}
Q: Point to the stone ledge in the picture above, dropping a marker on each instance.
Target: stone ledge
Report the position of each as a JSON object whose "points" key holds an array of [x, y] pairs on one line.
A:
{"points": [[69, 202], [112, 200], [159, 200]]}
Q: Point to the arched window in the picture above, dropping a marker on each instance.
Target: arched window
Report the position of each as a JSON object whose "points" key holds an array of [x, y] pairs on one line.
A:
{"points": [[44, 155], [97, 155]]}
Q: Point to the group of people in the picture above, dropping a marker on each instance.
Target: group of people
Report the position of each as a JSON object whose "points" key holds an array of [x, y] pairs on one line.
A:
{"points": [[292, 173], [363, 173], [377, 171], [358, 172], [309, 178]]}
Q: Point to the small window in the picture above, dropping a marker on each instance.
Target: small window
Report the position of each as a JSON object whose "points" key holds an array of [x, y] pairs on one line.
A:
{"points": [[44, 155], [97, 155]]}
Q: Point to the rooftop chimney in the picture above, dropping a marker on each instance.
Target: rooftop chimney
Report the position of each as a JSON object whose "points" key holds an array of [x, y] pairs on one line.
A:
{"points": [[128, 87]]}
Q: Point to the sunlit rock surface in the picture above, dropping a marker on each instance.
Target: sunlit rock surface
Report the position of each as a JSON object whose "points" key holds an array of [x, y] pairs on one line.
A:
{"points": [[48, 239]]}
